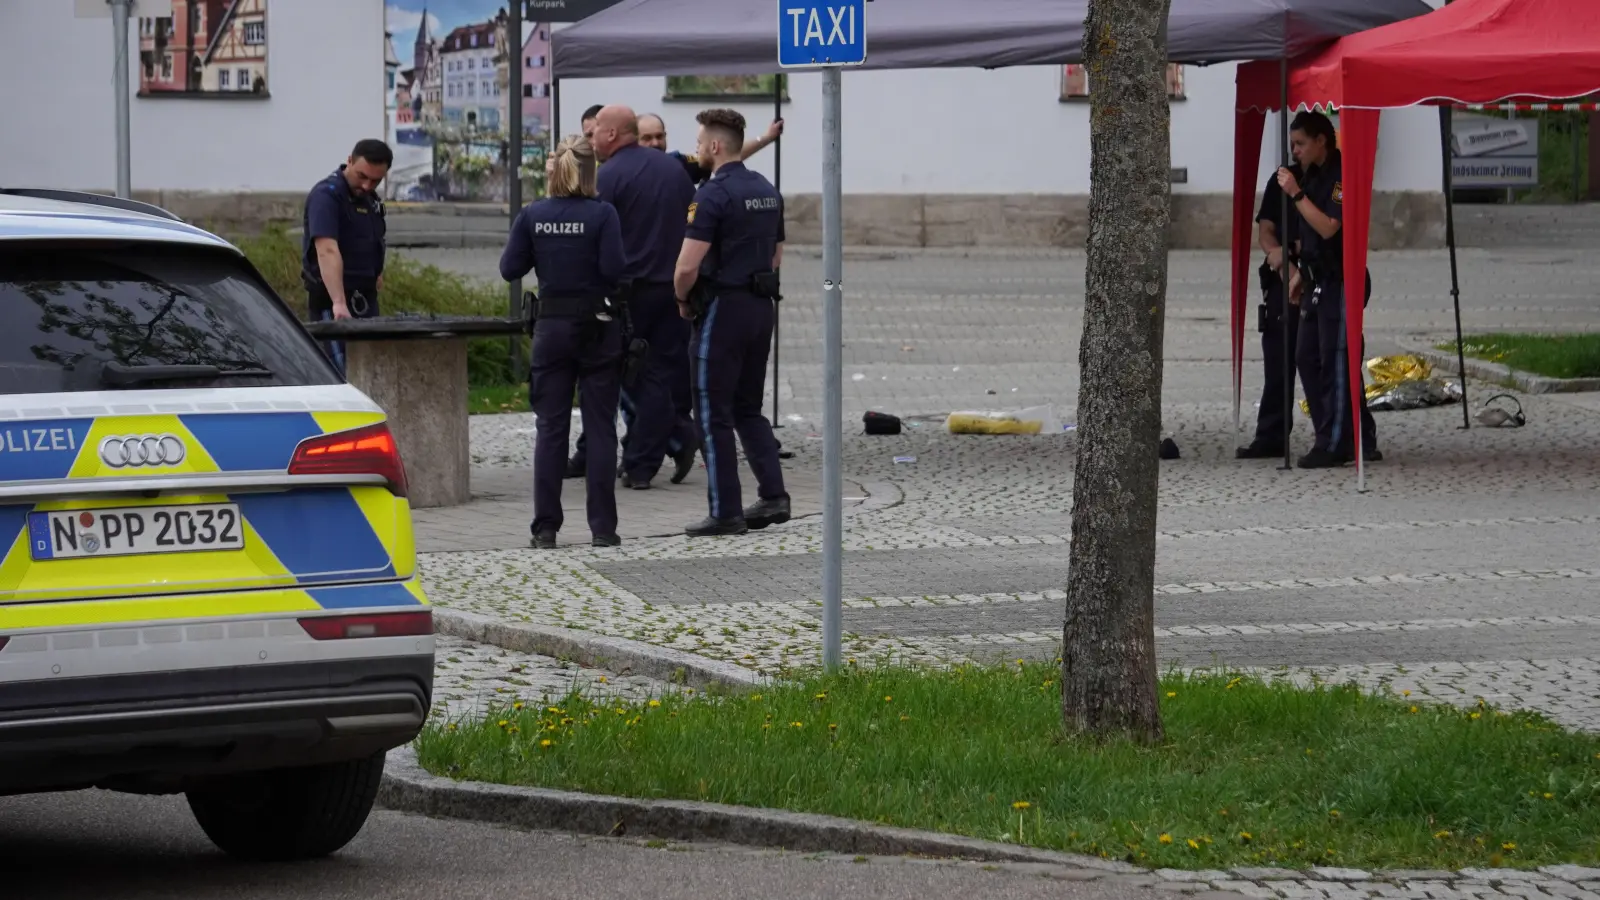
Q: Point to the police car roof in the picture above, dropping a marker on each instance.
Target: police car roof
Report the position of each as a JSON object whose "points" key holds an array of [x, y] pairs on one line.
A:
{"points": [[24, 217]]}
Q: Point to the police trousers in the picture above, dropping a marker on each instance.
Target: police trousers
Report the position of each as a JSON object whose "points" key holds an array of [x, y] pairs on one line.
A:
{"points": [[1323, 361], [1277, 386], [730, 346], [660, 419], [569, 353]]}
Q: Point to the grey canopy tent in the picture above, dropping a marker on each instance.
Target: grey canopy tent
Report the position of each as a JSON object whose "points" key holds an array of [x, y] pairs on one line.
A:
{"points": [[739, 37]]}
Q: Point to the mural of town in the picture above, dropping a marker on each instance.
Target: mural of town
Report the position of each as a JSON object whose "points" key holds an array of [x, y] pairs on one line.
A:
{"points": [[206, 47], [448, 77]]}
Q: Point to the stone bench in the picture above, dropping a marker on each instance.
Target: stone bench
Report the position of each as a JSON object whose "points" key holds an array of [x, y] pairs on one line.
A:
{"points": [[415, 368]]}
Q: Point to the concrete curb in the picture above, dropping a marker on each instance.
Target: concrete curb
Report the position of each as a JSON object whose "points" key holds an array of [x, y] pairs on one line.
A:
{"points": [[407, 787], [1483, 370], [618, 656]]}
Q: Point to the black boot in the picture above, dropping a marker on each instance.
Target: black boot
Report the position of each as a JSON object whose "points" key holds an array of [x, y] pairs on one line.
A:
{"points": [[762, 513], [709, 527], [683, 463], [544, 540], [606, 540]]}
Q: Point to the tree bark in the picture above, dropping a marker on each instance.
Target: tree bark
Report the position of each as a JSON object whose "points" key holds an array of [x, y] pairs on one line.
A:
{"points": [[1108, 667]]}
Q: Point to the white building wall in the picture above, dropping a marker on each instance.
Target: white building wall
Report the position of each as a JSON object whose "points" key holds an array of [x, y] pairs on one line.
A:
{"points": [[973, 131], [956, 131], [325, 79]]}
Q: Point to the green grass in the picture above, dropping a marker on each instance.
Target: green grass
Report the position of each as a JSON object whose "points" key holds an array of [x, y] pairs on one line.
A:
{"points": [[503, 398], [408, 287], [1251, 773], [1550, 355]]}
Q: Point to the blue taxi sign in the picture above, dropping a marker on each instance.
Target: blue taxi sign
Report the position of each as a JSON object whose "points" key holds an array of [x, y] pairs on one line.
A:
{"points": [[822, 33]]}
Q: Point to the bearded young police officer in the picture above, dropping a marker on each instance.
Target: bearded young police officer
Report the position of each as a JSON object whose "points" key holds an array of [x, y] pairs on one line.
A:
{"points": [[1319, 285], [1278, 242], [573, 242], [343, 248], [727, 282]]}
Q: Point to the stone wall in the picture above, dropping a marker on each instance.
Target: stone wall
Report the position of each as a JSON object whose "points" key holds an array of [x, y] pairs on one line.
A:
{"points": [[1400, 220]]}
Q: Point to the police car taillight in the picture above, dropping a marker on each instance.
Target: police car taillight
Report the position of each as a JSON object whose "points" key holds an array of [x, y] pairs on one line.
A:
{"points": [[338, 628], [360, 451]]}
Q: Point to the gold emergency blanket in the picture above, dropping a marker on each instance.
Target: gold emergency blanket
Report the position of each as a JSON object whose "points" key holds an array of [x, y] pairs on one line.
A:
{"points": [[1405, 381]]}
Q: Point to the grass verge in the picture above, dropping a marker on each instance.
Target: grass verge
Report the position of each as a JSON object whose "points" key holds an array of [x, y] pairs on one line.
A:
{"points": [[408, 287], [1251, 772], [1550, 355], [500, 398]]}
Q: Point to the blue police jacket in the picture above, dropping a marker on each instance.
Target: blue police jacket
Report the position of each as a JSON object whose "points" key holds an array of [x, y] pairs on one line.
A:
{"points": [[1324, 187], [574, 244], [650, 191], [357, 223], [740, 214]]}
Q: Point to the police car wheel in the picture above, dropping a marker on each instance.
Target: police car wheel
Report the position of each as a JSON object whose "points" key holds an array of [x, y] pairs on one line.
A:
{"points": [[288, 814]]}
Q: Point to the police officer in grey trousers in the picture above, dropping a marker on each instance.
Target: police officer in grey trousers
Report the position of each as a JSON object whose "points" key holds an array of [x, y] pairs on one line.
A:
{"points": [[573, 242], [727, 282], [651, 192], [1319, 284]]}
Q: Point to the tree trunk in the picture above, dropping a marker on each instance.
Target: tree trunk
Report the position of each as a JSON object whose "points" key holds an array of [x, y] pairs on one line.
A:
{"points": [[1108, 668]]}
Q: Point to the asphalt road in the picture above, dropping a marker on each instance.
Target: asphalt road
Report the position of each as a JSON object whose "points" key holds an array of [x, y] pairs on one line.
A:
{"points": [[112, 846]]}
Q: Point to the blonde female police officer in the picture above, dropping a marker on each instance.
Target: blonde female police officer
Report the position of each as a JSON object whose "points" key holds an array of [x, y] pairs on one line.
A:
{"points": [[573, 242]]}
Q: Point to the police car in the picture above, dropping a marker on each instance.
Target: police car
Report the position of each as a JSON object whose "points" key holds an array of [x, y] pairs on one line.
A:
{"points": [[208, 582]]}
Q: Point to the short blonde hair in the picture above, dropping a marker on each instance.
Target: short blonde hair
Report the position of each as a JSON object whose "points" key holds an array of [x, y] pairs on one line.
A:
{"points": [[572, 173]]}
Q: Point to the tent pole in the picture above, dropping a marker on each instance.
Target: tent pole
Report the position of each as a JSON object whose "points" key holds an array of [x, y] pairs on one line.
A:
{"points": [[1445, 116], [555, 113], [1283, 272], [777, 184]]}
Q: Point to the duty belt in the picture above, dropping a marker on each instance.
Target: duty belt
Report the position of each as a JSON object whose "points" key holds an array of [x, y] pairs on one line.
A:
{"points": [[572, 308]]}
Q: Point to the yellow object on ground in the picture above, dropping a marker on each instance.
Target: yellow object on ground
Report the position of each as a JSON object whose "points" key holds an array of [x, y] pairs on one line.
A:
{"points": [[974, 423]]}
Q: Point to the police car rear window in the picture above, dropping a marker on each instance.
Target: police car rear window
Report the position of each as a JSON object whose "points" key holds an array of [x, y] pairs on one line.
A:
{"points": [[144, 317]]}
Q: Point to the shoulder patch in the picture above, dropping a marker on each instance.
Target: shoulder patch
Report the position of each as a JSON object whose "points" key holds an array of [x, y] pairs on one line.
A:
{"points": [[1338, 192], [692, 208]]}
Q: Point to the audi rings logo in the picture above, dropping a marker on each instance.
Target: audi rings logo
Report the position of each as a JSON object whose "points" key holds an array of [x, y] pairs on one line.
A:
{"points": [[131, 451]]}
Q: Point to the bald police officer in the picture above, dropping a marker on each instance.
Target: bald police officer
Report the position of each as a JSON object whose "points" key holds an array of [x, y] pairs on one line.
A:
{"points": [[343, 248], [573, 241], [727, 282], [651, 193]]}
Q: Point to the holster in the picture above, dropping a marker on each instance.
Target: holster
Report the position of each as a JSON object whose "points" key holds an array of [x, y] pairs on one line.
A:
{"points": [[765, 285], [699, 299], [634, 349], [530, 311]]}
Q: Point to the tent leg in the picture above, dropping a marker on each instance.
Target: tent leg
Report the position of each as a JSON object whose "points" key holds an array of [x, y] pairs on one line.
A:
{"points": [[777, 308], [1445, 115], [1283, 238]]}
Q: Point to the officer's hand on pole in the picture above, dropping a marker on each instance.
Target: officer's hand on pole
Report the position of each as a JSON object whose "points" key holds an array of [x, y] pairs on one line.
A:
{"points": [[1287, 181], [774, 130]]}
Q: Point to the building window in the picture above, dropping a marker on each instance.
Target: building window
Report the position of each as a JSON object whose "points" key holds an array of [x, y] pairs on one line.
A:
{"points": [[222, 79], [472, 63], [244, 79], [166, 67], [472, 89], [389, 77], [255, 32], [527, 90], [474, 40]]}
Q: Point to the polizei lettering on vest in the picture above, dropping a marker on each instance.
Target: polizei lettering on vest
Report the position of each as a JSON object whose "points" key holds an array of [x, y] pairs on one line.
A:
{"points": [[558, 228], [756, 203]]}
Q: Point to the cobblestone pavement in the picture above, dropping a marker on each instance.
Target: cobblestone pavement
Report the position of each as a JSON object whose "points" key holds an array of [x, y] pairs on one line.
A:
{"points": [[1466, 570]]}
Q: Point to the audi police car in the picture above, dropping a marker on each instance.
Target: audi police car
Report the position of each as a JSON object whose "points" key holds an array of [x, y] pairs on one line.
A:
{"points": [[207, 576]]}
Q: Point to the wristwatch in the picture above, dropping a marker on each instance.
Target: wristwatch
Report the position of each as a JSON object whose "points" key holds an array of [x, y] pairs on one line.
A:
{"points": [[1298, 197]]}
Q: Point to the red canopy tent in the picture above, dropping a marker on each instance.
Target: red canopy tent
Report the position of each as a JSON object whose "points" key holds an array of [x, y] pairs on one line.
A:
{"points": [[1468, 52]]}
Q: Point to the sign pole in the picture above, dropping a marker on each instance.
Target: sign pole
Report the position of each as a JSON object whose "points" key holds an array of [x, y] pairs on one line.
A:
{"points": [[829, 34], [513, 53], [833, 366], [119, 75]]}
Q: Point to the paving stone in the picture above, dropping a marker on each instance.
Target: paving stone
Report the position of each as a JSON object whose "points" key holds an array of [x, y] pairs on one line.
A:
{"points": [[1337, 874], [1191, 875], [1571, 873], [1266, 873]]}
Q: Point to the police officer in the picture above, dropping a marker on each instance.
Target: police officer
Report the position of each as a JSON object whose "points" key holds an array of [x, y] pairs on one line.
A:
{"points": [[1319, 285], [651, 193], [1277, 391], [343, 248], [727, 282], [573, 242], [653, 134]]}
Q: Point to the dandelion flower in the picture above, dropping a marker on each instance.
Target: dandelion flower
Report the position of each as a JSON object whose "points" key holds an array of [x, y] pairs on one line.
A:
{"points": [[1549, 796], [547, 743], [1172, 693], [1440, 835], [888, 699], [1165, 838], [654, 703], [1021, 804], [1193, 845], [1508, 845], [1413, 709], [1246, 836], [797, 724], [517, 705], [502, 723], [1333, 814]]}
